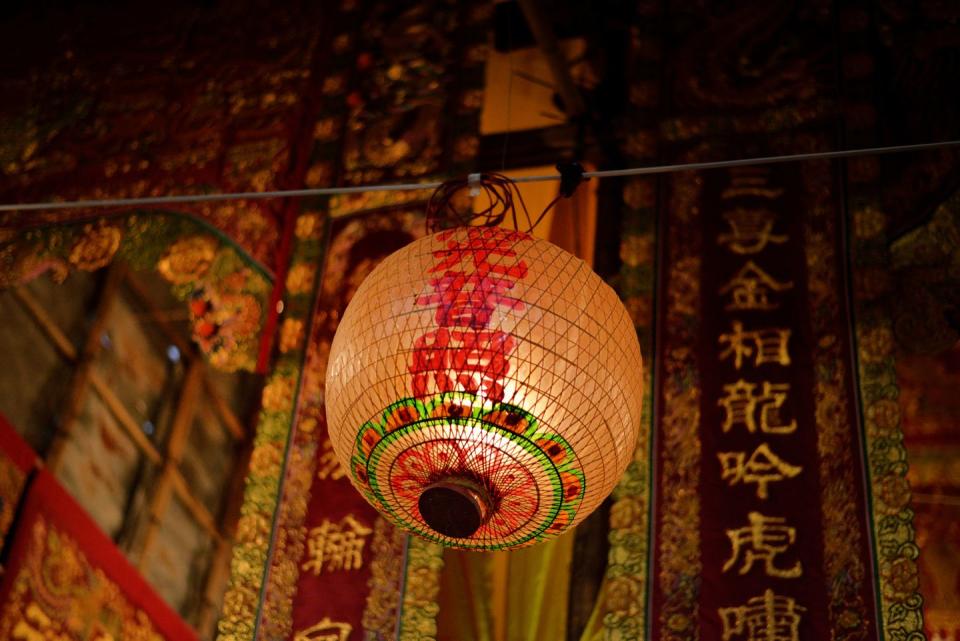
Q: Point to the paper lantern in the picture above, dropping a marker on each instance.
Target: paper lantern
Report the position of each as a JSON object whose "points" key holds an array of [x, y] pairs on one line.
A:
{"points": [[484, 388]]}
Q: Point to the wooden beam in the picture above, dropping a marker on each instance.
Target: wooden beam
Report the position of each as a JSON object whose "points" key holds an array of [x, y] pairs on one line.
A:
{"points": [[81, 375], [559, 68], [123, 416], [197, 510], [170, 474], [225, 412], [213, 590], [49, 326]]}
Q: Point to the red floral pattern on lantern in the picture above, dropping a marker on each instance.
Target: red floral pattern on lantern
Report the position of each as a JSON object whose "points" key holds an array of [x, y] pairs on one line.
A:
{"points": [[511, 486]]}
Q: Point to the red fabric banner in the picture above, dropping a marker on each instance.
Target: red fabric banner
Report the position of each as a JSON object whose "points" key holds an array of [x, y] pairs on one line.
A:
{"points": [[760, 528], [65, 579], [17, 459]]}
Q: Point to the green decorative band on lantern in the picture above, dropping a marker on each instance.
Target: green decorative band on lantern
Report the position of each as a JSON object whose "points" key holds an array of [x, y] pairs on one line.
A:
{"points": [[533, 475]]}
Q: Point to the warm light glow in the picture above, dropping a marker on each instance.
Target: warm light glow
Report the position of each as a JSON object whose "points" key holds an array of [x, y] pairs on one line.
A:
{"points": [[485, 359]]}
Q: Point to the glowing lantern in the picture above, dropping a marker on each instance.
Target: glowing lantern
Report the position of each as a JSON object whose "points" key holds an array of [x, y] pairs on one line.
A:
{"points": [[484, 388]]}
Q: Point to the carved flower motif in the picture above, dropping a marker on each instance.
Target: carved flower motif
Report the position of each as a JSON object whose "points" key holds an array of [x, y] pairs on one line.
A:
{"points": [[423, 586], [309, 226], [291, 334], [300, 278], [902, 576], [894, 491], [622, 594], [849, 619], [637, 250], [678, 622], [188, 259], [238, 316], [278, 394], [319, 174], [265, 459], [96, 247], [885, 414], [253, 528], [876, 344], [625, 513]]}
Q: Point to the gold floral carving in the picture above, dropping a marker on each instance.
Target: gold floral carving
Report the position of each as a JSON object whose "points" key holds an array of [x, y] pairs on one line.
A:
{"points": [[291, 334], [260, 503], [289, 546], [386, 568], [96, 247], [421, 587], [680, 450], [242, 599], [57, 594], [895, 549], [842, 540], [188, 259], [301, 277], [309, 225]]}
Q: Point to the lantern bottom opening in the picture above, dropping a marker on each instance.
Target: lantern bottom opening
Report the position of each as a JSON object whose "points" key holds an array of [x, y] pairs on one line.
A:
{"points": [[455, 507]]}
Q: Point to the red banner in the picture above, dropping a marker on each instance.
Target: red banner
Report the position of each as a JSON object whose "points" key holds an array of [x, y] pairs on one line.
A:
{"points": [[760, 527], [64, 579], [16, 461]]}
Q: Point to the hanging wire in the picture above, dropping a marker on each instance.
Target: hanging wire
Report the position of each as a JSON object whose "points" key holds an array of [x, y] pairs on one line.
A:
{"points": [[498, 193], [334, 191]]}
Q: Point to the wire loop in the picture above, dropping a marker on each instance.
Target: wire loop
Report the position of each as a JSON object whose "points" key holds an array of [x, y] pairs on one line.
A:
{"points": [[500, 195]]}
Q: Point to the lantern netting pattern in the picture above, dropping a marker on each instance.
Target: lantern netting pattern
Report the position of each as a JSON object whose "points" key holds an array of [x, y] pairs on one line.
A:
{"points": [[484, 389]]}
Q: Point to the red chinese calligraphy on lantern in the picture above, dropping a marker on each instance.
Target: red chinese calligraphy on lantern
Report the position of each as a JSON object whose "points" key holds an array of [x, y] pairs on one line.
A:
{"points": [[474, 277]]}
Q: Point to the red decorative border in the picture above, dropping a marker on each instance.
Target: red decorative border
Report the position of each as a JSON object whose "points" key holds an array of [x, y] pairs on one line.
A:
{"points": [[46, 499]]}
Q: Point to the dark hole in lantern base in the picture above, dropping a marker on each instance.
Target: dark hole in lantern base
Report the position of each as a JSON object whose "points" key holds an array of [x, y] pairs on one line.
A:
{"points": [[454, 507]]}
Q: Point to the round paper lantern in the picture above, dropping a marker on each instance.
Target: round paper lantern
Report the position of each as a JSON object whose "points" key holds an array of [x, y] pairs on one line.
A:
{"points": [[484, 388]]}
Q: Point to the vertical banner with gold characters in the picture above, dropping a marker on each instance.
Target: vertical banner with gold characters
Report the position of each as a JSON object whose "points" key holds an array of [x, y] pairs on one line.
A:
{"points": [[760, 529]]}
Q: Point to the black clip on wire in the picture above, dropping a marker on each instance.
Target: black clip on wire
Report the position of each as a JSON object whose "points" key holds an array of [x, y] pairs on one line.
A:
{"points": [[571, 175]]}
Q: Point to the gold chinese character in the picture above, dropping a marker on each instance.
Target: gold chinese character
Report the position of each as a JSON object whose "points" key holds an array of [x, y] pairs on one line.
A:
{"points": [[36, 625], [750, 230], [740, 406], [765, 345], [336, 546], [330, 467], [750, 288], [326, 630], [764, 539], [770, 617], [762, 467]]}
